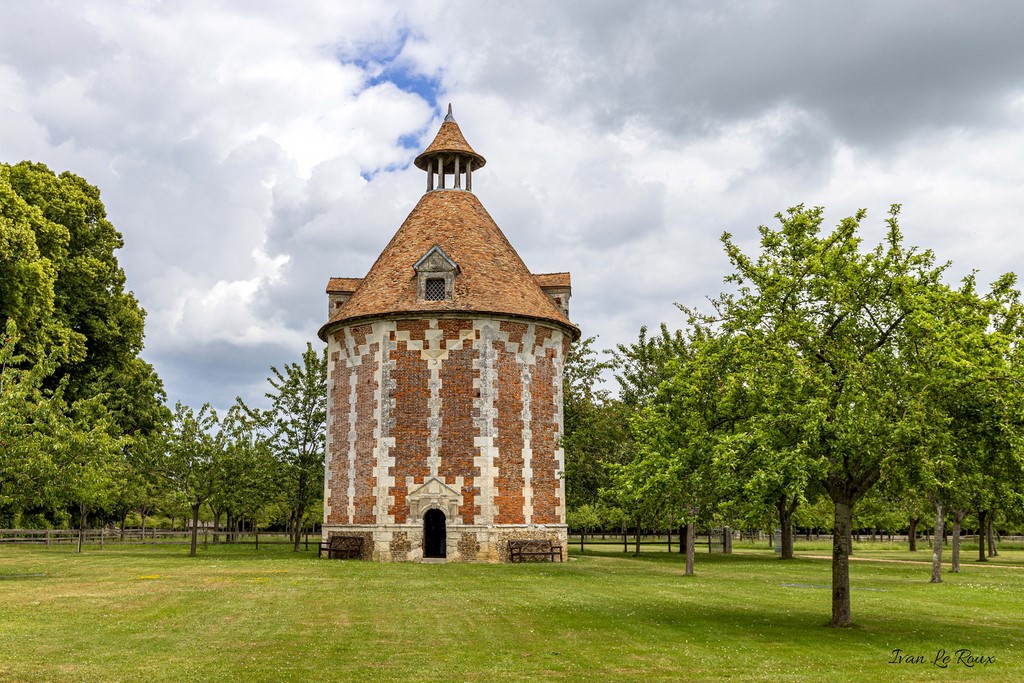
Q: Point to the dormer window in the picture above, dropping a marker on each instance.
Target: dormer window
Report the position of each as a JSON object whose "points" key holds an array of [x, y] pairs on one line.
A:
{"points": [[435, 289], [435, 276]]}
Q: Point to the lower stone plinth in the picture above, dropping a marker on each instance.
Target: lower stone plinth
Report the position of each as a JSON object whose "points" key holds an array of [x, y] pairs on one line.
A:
{"points": [[464, 543]]}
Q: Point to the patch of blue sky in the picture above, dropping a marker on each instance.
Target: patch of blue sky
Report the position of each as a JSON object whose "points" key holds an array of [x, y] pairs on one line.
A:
{"points": [[403, 78], [390, 168], [381, 61], [410, 140]]}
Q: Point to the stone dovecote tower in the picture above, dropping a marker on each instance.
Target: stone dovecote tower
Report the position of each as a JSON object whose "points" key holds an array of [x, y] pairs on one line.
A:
{"points": [[445, 383]]}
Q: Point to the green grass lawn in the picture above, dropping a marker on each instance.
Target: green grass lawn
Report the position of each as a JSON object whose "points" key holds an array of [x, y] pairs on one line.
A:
{"points": [[233, 614]]}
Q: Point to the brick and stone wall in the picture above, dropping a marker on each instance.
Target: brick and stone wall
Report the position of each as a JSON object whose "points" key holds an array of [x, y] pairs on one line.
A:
{"points": [[462, 414]]}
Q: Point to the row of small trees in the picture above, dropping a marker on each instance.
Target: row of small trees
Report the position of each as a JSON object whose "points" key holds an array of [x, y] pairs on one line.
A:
{"points": [[240, 465], [252, 457], [826, 371]]}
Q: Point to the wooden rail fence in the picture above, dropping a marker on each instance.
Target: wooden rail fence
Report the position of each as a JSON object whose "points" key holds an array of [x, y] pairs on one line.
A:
{"points": [[105, 536]]}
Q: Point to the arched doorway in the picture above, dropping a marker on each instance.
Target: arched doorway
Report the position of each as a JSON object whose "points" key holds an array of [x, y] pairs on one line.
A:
{"points": [[434, 541]]}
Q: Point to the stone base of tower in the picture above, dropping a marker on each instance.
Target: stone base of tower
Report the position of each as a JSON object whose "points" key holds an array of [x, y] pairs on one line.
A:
{"points": [[462, 542]]}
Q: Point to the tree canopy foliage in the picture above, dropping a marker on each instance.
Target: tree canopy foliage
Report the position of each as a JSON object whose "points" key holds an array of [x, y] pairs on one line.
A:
{"points": [[77, 389], [825, 371]]}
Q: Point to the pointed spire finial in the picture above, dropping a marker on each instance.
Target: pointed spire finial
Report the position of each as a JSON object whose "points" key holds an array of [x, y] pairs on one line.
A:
{"points": [[449, 118]]}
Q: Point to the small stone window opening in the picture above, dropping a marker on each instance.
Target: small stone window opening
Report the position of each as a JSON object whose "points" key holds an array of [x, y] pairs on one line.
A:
{"points": [[435, 276], [435, 289]]}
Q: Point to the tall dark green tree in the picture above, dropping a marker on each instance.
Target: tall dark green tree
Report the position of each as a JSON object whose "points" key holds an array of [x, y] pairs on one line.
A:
{"points": [[60, 281], [28, 272], [595, 426]]}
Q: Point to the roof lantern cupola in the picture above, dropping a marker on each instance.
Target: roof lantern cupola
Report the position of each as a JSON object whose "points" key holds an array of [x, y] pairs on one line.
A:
{"points": [[449, 155]]}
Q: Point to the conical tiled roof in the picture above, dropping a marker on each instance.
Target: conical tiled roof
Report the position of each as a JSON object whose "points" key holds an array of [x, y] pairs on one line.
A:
{"points": [[492, 279], [448, 140]]}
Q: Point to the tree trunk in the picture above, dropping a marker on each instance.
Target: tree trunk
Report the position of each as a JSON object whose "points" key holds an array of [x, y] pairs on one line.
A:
{"points": [[217, 512], [727, 540], [625, 540], [143, 539], [124, 518], [636, 540], [982, 525], [786, 523], [298, 529], [81, 525], [912, 533], [195, 529], [842, 523], [940, 524], [958, 517], [691, 542], [991, 535]]}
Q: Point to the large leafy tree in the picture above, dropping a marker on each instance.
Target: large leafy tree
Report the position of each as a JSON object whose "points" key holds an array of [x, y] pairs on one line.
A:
{"points": [[83, 385], [759, 450], [844, 314], [139, 484], [90, 460], [60, 281]]}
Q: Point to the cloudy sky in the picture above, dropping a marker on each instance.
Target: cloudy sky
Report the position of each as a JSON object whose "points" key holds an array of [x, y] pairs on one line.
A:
{"points": [[248, 151]]}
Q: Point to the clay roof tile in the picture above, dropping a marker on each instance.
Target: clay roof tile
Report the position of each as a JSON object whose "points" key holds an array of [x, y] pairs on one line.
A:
{"points": [[552, 279], [492, 278], [340, 285]]}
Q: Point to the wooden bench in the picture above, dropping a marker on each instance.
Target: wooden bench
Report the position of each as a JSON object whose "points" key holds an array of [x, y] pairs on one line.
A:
{"points": [[342, 547], [522, 550]]}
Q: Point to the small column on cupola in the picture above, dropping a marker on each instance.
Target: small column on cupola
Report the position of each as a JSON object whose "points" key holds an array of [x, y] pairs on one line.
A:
{"points": [[449, 154]]}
